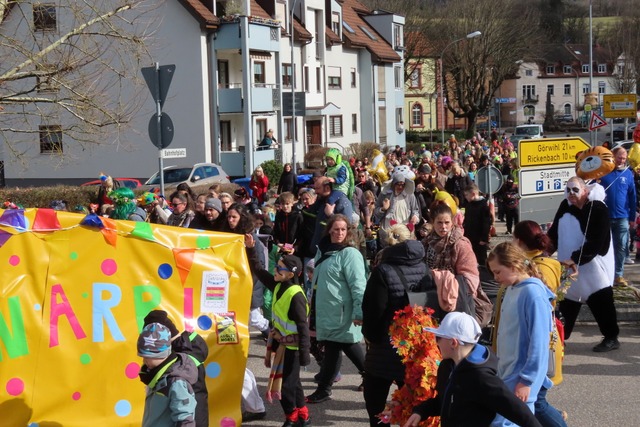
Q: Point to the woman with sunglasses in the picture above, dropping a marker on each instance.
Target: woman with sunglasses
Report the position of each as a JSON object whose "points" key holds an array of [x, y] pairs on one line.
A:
{"points": [[339, 281], [183, 212], [582, 236]]}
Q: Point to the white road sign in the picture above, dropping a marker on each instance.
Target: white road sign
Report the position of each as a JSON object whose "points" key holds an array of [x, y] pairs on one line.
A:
{"points": [[174, 153], [545, 180]]}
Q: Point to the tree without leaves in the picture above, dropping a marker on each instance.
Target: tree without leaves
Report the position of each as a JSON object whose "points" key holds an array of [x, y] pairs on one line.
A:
{"points": [[474, 69], [623, 38], [78, 72]]}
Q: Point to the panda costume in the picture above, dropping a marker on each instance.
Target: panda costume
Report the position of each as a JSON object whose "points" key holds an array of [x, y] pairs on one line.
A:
{"points": [[583, 235]]}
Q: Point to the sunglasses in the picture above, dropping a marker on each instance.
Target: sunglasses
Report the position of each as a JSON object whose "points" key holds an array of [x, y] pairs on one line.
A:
{"points": [[575, 190]]}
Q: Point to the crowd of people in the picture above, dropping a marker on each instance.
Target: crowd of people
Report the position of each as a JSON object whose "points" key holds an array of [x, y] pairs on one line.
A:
{"points": [[333, 260]]}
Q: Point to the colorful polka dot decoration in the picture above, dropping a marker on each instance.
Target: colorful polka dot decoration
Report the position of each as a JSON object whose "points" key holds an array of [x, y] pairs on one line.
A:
{"points": [[15, 387], [123, 408], [132, 370], [165, 271], [14, 260], [109, 267]]}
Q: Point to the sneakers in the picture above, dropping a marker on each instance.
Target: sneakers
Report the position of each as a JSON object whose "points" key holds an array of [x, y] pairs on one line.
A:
{"points": [[620, 281], [303, 423], [318, 396], [247, 417], [629, 261], [607, 344]]}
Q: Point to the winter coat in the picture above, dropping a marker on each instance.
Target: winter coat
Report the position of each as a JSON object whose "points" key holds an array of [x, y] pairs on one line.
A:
{"points": [[195, 346], [470, 394], [259, 187], [339, 282], [171, 402], [287, 227], [477, 221], [621, 194], [288, 182], [384, 295]]}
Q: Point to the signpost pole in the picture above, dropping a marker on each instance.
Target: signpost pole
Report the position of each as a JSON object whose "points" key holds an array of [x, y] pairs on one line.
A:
{"points": [[159, 127]]}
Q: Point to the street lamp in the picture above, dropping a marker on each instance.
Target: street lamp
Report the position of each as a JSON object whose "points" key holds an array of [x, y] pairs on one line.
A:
{"points": [[468, 36], [293, 92]]}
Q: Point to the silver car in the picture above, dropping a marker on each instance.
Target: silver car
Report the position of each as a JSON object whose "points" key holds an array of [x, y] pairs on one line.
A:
{"points": [[198, 174]]}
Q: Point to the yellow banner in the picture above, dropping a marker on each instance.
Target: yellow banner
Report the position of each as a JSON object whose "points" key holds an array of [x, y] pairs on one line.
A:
{"points": [[74, 293]]}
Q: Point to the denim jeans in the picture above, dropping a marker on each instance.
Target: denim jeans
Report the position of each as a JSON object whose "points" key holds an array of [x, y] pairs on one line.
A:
{"points": [[620, 237], [546, 414]]}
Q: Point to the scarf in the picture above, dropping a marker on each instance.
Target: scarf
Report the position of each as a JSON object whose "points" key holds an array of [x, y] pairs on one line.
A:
{"points": [[275, 359], [147, 376], [441, 253]]}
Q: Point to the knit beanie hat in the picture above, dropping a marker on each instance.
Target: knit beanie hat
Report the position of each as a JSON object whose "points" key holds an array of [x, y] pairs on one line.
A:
{"points": [[161, 316], [154, 342]]}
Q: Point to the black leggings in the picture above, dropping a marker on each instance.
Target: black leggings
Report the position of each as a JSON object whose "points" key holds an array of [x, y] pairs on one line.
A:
{"points": [[333, 361], [376, 390], [602, 307]]}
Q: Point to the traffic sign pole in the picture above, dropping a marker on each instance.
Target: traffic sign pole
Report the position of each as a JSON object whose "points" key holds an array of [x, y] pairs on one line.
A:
{"points": [[158, 79], [159, 127]]}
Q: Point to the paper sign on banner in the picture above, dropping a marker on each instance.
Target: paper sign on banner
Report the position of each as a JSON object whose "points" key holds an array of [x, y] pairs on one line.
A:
{"points": [[215, 292]]}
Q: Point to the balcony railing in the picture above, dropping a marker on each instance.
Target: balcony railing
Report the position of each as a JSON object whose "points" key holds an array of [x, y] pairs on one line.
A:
{"points": [[530, 99]]}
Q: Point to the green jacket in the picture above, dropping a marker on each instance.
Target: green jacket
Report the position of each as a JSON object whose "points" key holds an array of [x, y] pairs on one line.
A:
{"points": [[339, 283]]}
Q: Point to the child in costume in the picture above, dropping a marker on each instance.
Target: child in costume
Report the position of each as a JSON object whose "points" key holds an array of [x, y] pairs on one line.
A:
{"points": [[193, 345], [339, 172], [169, 376], [288, 342]]}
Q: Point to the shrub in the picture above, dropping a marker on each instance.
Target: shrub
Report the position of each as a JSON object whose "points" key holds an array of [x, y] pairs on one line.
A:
{"points": [[273, 170], [362, 150], [314, 156]]}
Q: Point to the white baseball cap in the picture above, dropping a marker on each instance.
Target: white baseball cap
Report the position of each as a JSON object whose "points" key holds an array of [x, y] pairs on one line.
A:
{"points": [[460, 326]]}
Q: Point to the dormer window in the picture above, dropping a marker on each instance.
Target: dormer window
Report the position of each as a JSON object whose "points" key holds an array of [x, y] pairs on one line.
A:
{"points": [[335, 24]]}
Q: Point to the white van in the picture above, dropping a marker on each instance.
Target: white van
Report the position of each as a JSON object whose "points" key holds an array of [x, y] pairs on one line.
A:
{"points": [[526, 132]]}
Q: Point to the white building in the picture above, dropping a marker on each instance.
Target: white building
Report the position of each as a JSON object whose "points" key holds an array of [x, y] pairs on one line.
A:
{"points": [[564, 75], [233, 82]]}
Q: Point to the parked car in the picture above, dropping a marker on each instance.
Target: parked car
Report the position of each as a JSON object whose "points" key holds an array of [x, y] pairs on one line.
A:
{"points": [[124, 182], [564, 118], [198, 174], [618, 132], [626, 144]]}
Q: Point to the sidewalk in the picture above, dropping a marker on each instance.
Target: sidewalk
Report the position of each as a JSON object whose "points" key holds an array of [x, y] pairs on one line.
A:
{"points": [[626, 299]]}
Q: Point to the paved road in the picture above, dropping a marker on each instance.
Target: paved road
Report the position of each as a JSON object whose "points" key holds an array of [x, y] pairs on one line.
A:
{"points": [[599, 389]]}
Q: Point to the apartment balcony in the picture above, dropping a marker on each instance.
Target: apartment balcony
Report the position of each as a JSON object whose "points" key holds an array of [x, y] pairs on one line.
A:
{"points": [[261, 34], [264, 98], [530, 99]]}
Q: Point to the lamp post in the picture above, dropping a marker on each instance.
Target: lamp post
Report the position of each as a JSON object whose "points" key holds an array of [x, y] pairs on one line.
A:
{"points": [[472, 35], [293, 93]]}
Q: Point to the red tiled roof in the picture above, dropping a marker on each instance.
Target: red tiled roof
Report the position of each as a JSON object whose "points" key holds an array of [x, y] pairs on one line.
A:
{"points": [[300, 31], [379, 48], [197, 8], [418, 46], [332, 38]]}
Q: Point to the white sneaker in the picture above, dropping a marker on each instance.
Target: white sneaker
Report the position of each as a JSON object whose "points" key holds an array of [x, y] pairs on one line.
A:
{"points": [[629, 261]]}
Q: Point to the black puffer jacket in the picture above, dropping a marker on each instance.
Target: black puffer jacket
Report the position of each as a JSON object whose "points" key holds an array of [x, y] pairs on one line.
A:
{"points": [[384, 295]]}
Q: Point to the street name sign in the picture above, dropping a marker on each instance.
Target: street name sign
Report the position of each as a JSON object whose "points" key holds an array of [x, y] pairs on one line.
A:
{"points": [[174, 153], [620, 106], [550, 151], [545, 180]]}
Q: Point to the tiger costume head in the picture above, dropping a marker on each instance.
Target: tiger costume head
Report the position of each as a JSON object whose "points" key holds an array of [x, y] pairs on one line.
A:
{"points": [[594, 163]]}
